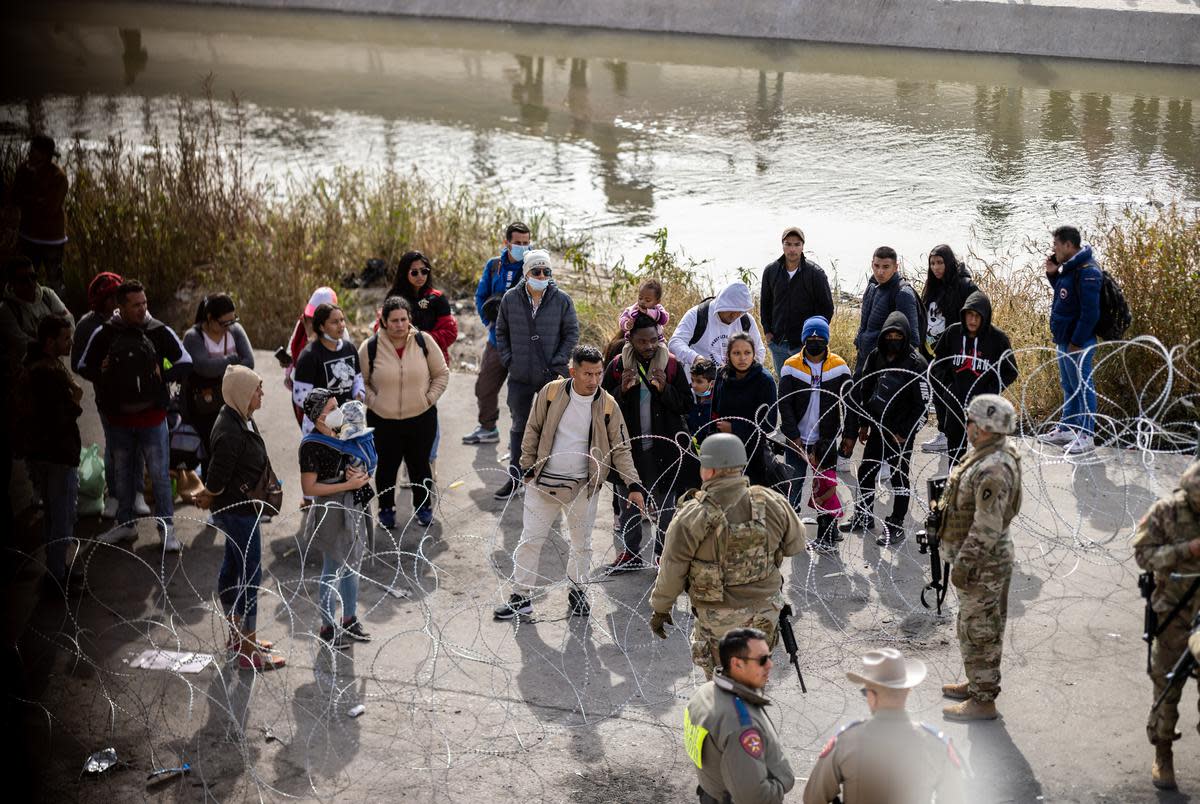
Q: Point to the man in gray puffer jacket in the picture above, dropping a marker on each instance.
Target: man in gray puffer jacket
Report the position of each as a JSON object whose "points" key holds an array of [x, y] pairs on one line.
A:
{"points": [[536, 330]]}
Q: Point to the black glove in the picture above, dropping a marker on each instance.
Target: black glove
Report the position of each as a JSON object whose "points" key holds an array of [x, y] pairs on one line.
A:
{"points": [[658, 621]]}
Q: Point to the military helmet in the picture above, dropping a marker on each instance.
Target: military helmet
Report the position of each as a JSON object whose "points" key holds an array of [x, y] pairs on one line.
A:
{"points": [[993, 413], [722, 451]]}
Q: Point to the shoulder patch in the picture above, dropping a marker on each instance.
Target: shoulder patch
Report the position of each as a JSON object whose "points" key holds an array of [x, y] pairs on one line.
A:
{"points": [[752, 743], [828, 748]]}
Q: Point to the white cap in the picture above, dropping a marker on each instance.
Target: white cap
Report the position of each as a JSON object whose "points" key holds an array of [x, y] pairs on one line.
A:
{"points": [[322, 295], [538, 258]]}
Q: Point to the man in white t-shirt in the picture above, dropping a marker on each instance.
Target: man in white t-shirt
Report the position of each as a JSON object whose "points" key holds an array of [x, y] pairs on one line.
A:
{"points": [[575, 437], [704, 330]]}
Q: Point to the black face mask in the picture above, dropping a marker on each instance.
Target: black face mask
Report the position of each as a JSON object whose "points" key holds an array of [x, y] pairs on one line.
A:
{"points": [[814, 347], [893, 348]]}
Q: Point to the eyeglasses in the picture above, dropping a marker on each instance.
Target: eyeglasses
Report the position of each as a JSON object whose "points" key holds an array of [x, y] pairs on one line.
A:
{"points": [[419, 272], [539, 272], [762, 660], [230, 322]]}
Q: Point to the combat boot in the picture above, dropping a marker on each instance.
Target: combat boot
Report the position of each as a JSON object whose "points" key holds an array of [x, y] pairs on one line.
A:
{"points": [[1163, 771], [957, 692], [971, 709]]}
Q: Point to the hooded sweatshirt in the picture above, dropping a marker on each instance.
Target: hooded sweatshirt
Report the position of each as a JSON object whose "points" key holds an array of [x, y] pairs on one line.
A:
{"points": [[734, 298], [892, 393], [967, 366]]}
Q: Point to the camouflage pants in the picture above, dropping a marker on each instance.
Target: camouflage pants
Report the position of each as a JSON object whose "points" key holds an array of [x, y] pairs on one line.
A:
{"points": [[1167, 648], [982, 612], [711, 624]]}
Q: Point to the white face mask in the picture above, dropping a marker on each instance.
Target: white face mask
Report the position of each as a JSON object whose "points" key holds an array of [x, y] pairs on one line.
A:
{"points": [[517, 252], [537, 284], [334, 419]]}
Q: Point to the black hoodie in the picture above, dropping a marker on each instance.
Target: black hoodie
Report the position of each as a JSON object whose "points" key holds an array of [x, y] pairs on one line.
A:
{"points": [[968, 366], [893, 393]]}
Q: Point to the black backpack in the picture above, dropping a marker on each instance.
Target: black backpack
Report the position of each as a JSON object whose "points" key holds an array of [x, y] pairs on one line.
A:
{"points": [[1115, 316], [373, 349], [132, 381], [702, 321], [918, 338]]}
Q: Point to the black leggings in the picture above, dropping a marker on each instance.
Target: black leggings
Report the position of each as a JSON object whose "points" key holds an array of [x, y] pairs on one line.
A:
{"points": [[877, 450], [407, 441]]}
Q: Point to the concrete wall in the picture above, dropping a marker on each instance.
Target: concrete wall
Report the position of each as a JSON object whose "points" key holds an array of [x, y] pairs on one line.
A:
{"points": [[1153, 31]]}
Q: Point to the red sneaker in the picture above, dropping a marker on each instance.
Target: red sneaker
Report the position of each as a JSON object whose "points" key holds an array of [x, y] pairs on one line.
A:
{"points": [[260, 661]]}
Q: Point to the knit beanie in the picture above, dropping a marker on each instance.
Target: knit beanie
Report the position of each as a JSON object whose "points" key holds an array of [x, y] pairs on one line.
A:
{"points": [[538, 258], [816, 327]]}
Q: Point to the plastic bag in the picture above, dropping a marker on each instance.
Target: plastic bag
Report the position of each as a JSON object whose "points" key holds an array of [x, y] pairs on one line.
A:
{"points": [[91, 481]]}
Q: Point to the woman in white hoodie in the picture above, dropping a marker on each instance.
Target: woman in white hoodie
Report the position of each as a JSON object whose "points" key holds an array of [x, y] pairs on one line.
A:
{"points": [[704, 330]]}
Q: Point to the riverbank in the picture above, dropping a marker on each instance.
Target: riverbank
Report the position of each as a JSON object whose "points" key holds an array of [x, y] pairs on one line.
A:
{"points": [[187, 216], [1150, 31]]}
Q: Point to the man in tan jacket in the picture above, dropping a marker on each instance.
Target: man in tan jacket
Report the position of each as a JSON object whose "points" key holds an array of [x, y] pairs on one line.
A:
{"points": [[574, 438]]}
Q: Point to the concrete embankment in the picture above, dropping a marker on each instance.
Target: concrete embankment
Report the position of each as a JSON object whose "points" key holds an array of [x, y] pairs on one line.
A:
{"points": [[1151, 31]]}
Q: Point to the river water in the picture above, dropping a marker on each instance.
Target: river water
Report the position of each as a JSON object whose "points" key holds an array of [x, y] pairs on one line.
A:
{"points": [[722, 141]]}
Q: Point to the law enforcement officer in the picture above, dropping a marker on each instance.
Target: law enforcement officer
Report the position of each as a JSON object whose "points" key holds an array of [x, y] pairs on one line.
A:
{"points": [[727, 732], [889, 757], [1168, 541], [724, 548], [982, 496]]}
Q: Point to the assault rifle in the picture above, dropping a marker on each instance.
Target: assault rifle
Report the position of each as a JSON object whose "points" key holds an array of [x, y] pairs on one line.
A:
{"points": [[789, 642], [1182, 671], [929, 542]]}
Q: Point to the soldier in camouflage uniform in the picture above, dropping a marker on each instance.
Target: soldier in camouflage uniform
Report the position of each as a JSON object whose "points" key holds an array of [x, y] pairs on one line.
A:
{"points": [[1168, 541], [724, 548], [982, 496]]}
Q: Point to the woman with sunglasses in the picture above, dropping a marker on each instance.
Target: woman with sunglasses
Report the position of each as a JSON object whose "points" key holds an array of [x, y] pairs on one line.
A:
{"points": [[216, 341], [430, 308]]}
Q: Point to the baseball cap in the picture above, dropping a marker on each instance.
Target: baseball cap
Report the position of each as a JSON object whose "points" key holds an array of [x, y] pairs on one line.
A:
{"points": [[322, 295], [794, 230]]}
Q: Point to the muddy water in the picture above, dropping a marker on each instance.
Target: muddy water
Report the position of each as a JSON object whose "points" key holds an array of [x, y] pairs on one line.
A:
{"points": [[722, 141]]}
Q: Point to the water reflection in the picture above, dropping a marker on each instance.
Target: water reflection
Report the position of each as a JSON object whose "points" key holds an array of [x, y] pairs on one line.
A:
{"points": [[625, 132]]}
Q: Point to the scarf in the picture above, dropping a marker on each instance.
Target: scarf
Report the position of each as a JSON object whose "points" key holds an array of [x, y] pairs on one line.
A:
{"points": [[360, 448]]}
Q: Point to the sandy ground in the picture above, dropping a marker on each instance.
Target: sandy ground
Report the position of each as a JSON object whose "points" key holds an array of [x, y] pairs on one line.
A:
{"points": [[461, 708]]}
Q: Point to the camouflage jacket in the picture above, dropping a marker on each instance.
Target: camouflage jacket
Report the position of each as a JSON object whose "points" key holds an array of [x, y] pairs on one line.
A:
{"points": [[982, 497], [1161, 543], [725, 545]]}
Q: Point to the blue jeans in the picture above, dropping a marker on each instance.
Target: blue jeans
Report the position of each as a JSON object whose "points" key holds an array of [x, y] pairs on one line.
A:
{"points": [[437, 439], [152, 444], [241, 569], [59, 487], [110, 467], [1079, 391], [346, 579], [780, 352]]}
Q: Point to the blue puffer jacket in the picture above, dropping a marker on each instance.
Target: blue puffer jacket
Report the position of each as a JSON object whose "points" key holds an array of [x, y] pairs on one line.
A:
{"points": [[879, 302], [1076, 309], [499, 276]]}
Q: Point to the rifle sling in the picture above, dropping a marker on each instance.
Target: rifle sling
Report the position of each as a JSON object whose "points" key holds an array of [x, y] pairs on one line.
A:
{"points": [[1183, 601]]}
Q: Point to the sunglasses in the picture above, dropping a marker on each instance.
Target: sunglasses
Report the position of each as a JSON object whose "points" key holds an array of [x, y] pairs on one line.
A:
{"points": [[539, 272], [230, 322], [762, 660], [419, 272]]}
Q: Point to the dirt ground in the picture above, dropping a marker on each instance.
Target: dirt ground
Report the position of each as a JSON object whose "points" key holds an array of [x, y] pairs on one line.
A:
{"points": [[461, 708]]}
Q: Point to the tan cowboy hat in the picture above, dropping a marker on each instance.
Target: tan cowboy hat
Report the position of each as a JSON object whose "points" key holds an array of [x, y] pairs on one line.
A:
{"points": [[887, 667]]}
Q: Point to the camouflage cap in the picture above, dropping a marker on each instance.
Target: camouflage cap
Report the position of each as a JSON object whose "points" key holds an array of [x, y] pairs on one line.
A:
{"points": [[993, 413], [722, 451]]}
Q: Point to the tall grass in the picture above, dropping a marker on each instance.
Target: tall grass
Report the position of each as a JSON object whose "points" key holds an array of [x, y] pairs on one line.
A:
{"points": [[193, 215]]}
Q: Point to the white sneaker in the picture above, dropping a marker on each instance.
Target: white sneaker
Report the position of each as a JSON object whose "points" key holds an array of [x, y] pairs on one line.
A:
{"points": [[139, 506], [110, 508], [1059, 437], [1080, 444], [935, 444], [121, 533], [170, 543]]}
